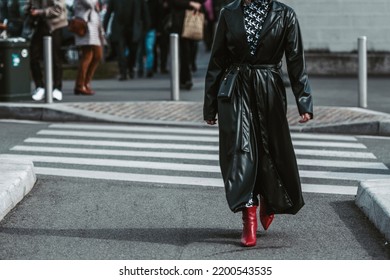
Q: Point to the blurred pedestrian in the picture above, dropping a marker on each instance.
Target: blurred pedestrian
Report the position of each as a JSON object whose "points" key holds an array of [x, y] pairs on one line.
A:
{"points": [[90, 45], [13, 17], [49, 17], [162, 37], [187, 51], [209, 26], [146, 47], [131, 19], [256, 153]]}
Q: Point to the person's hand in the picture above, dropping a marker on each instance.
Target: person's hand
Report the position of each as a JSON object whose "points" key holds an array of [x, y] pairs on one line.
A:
{"points": [[305, 118], [36, 12], [211, 122], [195, 5]]}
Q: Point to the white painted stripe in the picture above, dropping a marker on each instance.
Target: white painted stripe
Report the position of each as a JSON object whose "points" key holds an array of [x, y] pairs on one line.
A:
{"points": [[320, 136], [150, 129], [149, 145], [192, 167], [174, 155], [143, 145], [127, 135], [331, 153], [341, 175], [176, 180], [329, 144], [329, 189], [115, 152], [197, 131], [342, 164], [147, 178], [120, 163]]}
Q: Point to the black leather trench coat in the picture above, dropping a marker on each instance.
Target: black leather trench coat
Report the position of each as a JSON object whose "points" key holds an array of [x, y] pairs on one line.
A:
{"points": [[256, 151]]}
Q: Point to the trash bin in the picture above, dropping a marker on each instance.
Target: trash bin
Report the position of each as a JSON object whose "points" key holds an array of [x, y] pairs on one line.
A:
{"points": [[15, 79]]}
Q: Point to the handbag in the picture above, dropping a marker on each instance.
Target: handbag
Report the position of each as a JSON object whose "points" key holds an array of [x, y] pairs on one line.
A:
{"points": [[193, 25], [78, 26], [227, 85]]}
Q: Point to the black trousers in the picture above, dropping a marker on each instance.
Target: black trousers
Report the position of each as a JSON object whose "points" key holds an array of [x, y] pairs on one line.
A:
{"points": [[126, 62], [36, 55], [186, 49]]}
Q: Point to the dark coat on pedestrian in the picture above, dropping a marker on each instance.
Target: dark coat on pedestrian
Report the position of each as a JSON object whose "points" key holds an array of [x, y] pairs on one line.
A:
{"points": [[131, 18], [256, 151]]}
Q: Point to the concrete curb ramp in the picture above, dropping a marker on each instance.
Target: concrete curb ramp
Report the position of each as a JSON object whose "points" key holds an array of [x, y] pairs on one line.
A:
{"points": [[373, 198], [18, 178]]}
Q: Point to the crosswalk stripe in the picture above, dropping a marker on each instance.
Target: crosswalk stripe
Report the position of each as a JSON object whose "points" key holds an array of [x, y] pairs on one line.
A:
{"points": [[329, 153], [146, 178], [189, 167], [144, 145], [120, 163], [196, 131], [329, 189], [177, 166], [153, 145], [329, 144], [115, 152], [175, 155], [341, 175], [342, 164], [127, 135], [176, 180], [154, 129], [322, 137]]}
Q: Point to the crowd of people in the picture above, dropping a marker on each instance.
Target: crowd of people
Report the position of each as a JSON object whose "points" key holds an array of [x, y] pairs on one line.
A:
{"points": [[135, 33]]}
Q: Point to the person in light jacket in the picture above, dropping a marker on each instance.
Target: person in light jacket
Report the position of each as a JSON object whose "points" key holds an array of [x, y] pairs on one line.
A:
{"points": [[90, 45], [49, 18], [257, 158]]}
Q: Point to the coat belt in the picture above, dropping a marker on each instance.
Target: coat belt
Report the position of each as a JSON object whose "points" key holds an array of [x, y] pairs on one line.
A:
{"points": [[258, 66]]}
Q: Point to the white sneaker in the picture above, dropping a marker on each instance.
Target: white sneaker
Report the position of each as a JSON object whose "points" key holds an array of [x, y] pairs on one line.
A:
{"points": [[57, 94], [38, 94]]}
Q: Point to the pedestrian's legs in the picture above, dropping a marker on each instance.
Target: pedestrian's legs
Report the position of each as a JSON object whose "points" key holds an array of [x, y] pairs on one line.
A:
{"points": [[121, 56], [56, 40], [85, 61], [36, 48], [97, 54], [164, 48], [140, 58], [133, 46], [194, 53], [185, 64]]}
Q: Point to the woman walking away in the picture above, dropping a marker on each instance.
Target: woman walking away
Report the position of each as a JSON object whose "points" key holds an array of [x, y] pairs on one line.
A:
{"points": [[90, 45], [257, 158]]}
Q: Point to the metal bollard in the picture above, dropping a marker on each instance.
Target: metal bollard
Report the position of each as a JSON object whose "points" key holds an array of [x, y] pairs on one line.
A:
{"points": [[362, 52], [47, 55], [174, 45]]}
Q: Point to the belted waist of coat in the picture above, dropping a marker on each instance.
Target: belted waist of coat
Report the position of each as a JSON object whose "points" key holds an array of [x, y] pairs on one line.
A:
{"points": [[258, 66]]}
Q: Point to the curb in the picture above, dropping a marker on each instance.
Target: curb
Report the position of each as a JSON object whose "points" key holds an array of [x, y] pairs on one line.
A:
{"points": [[18, 178], [377, 123], [373, 198]]}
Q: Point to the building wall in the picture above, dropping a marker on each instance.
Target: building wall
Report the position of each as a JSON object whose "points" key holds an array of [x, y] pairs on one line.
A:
{"points": [[335, 25]]}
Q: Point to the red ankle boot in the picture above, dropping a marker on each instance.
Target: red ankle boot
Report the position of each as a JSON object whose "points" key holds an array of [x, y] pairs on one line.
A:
{"points": [[249, 221], [265, 219]]}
